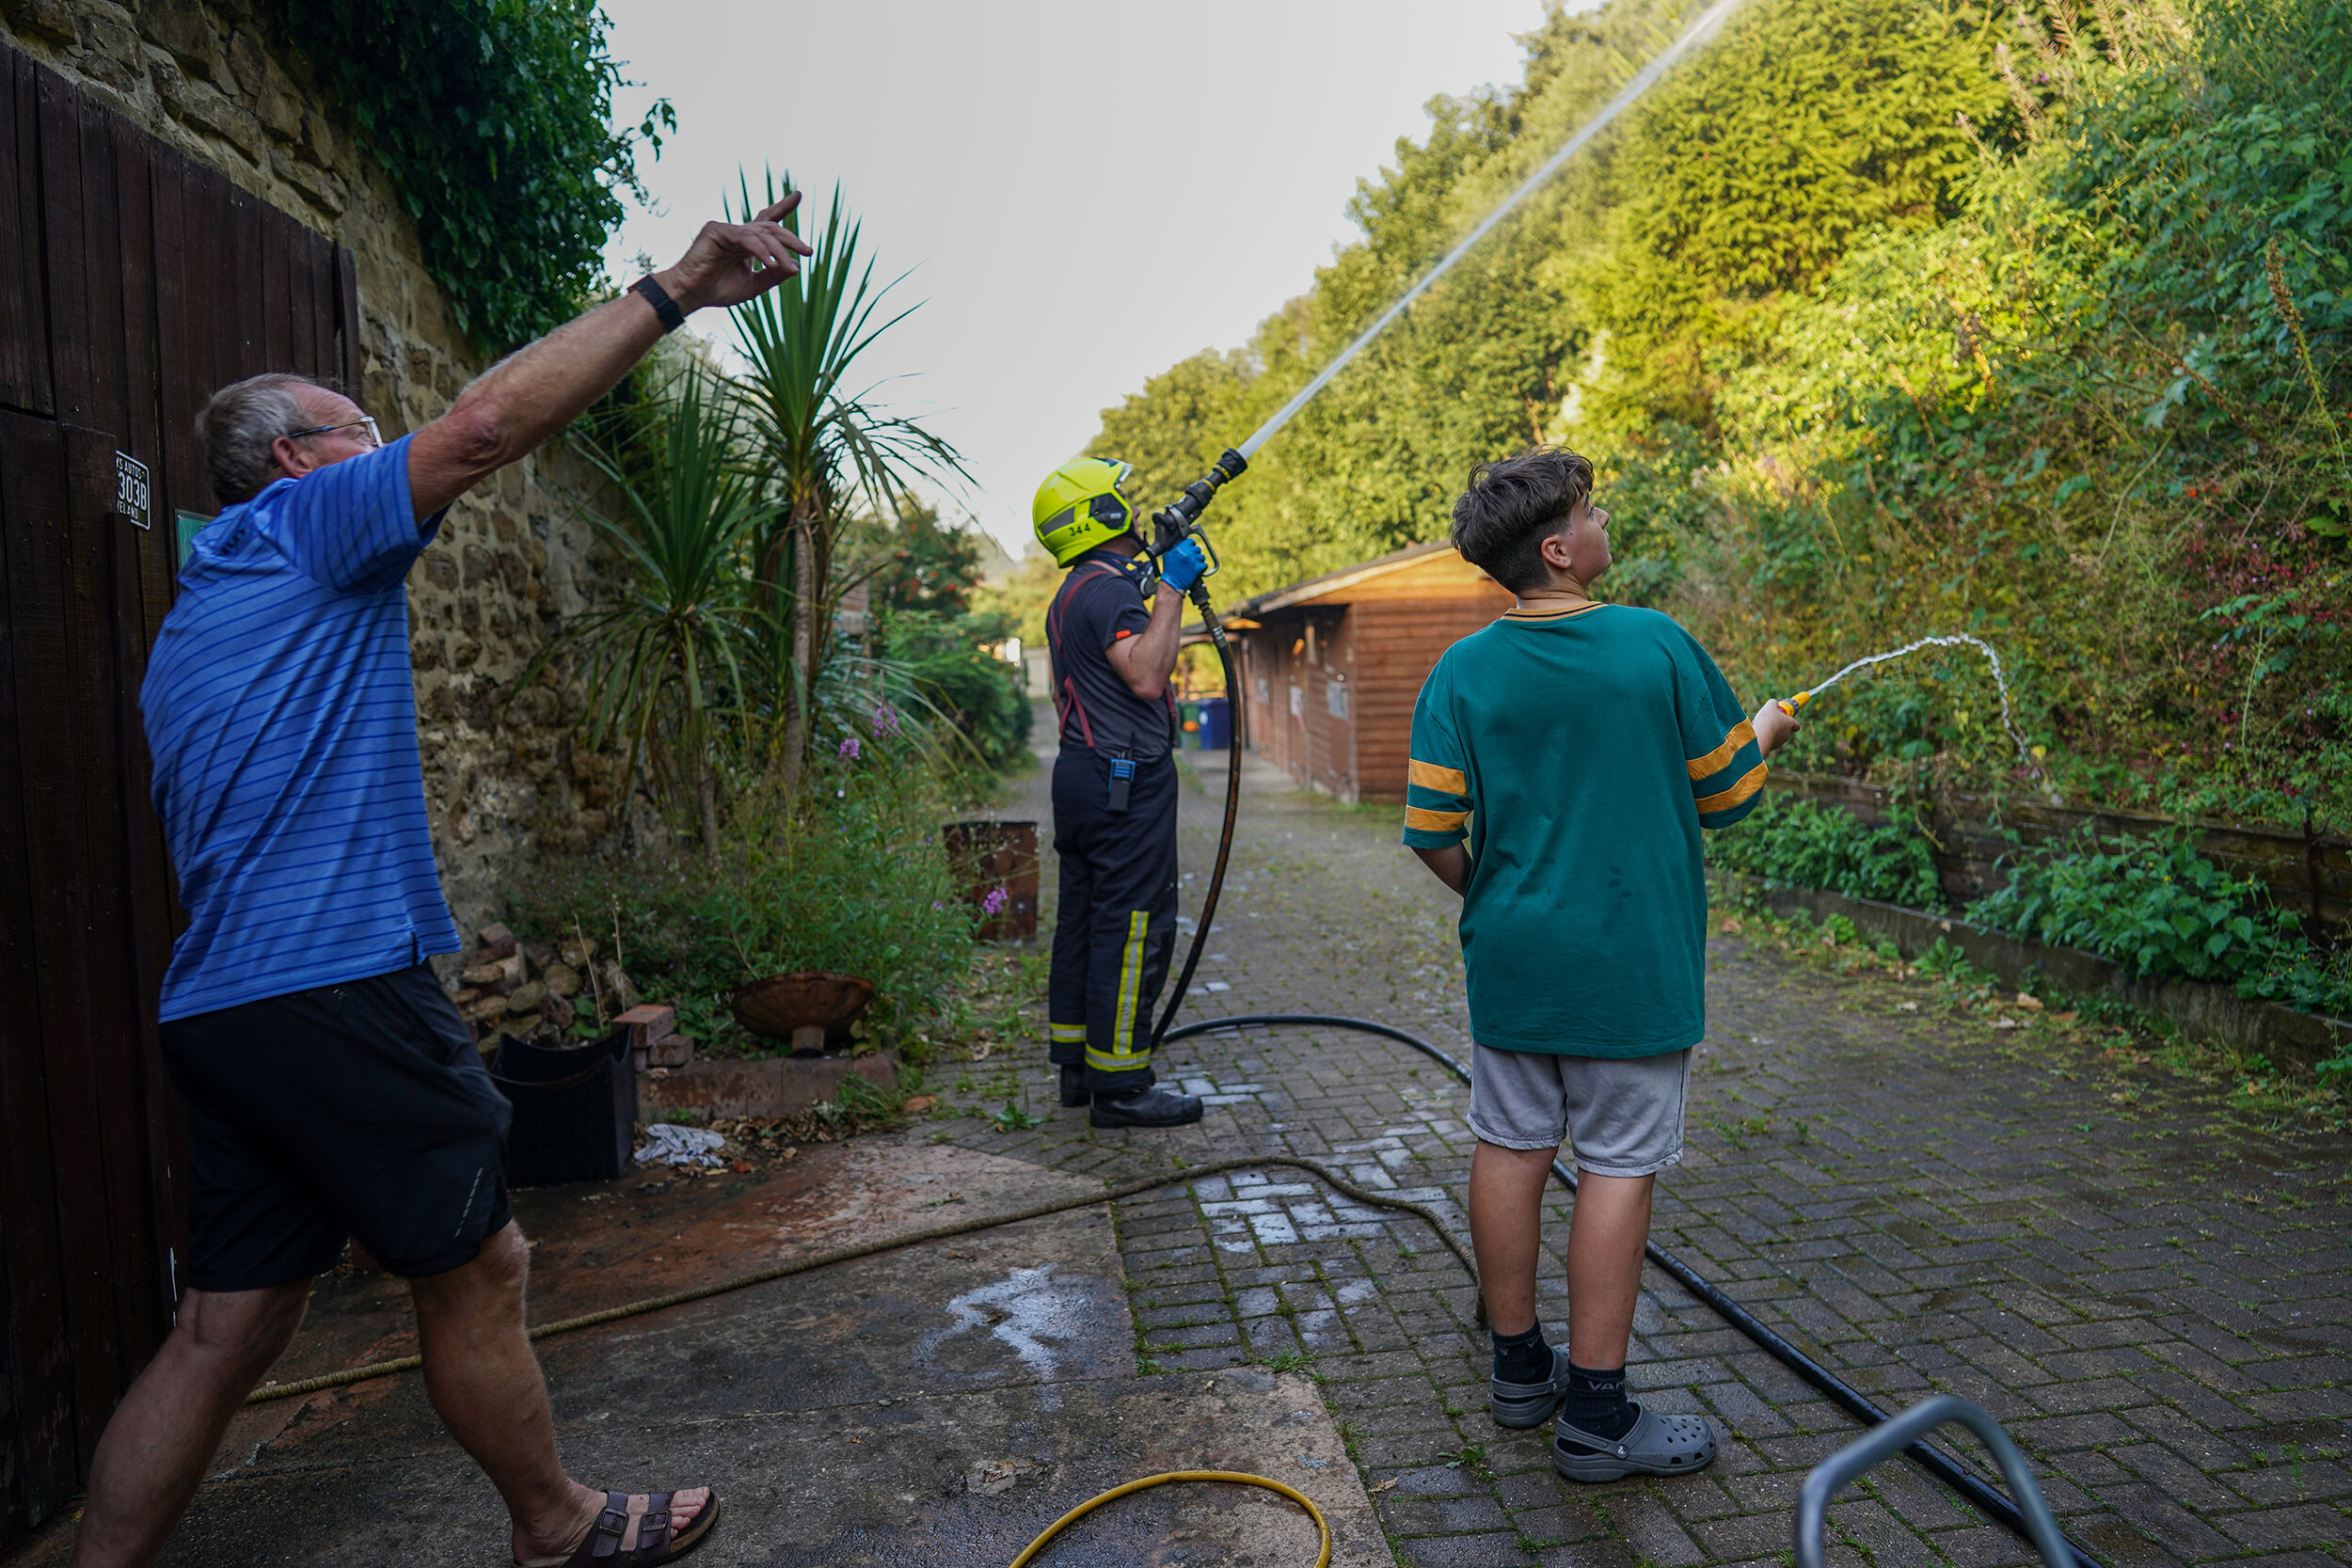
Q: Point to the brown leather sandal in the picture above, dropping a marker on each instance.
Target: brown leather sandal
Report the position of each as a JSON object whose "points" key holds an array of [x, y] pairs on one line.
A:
{"points": [[604, 1546]]}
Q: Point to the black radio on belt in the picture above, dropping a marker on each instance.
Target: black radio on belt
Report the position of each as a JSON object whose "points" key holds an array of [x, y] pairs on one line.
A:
{"points": [[1122, 780]]}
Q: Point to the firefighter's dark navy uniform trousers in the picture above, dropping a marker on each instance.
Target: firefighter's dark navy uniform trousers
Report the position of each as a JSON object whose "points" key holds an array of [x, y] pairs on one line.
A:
{"points": [[1116, 927]]}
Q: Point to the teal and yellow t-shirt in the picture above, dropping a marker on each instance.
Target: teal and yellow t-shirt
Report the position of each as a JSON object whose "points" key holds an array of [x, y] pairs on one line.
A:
{"points": [[1581, 751]]}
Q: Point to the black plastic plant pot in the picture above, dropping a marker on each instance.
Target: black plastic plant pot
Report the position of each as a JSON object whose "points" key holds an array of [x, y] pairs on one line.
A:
{"points": [[575, 1111]]}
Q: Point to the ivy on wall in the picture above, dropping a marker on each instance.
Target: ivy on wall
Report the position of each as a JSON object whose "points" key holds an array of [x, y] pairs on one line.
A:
{"points": [[493, 119]]}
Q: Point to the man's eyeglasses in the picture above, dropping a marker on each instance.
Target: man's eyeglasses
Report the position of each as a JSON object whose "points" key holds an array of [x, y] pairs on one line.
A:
{"points": [[375, 437]]}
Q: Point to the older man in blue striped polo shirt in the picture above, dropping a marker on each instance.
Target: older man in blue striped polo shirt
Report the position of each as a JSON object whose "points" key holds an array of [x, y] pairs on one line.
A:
{"points": [[332, 1091]]}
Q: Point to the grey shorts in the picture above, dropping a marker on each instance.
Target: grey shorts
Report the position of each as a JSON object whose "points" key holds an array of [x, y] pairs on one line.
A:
{"points": [[1624, 1113]]}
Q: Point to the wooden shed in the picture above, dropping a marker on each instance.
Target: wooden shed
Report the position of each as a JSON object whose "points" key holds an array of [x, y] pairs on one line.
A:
{"points": [[1330, 667]]}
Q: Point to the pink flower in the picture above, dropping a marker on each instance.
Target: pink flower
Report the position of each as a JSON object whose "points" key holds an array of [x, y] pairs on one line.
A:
{"points": [[885, 720], [849, 748], [995, 901]]}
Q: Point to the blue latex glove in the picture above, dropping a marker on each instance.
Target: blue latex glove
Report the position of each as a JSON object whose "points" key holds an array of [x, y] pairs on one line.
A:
{"points": [[1181, 567]]}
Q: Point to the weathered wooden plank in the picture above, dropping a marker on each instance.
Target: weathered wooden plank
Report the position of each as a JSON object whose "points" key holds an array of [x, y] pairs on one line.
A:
{"points": [[145, 433], [302, 299], [77, 356], [118, 382], [152, 1140], [24, 379], [248, 345], [181, 316], [347, 322], [66, 939], [326, 304], [276, 299], [106, 1055], [151, 269], [36, 1437]]}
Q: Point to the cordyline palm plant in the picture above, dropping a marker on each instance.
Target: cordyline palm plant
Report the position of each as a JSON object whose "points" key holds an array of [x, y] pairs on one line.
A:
{"points": [[825, 447], [663, 659]]}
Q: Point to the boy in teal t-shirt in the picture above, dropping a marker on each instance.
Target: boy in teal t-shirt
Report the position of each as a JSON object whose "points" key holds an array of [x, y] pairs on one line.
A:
{"points": [[1580, 748]]}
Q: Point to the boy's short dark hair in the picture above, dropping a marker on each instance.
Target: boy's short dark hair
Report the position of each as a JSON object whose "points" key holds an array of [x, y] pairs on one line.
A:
{"points": [[1513, 505]]}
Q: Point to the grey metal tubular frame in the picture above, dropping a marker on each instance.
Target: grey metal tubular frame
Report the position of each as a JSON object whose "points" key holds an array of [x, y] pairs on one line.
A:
{"points": [[1899, 1432]]}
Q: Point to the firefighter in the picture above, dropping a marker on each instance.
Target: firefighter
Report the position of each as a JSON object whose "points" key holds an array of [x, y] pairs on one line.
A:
{"points": [[1114, 793]]}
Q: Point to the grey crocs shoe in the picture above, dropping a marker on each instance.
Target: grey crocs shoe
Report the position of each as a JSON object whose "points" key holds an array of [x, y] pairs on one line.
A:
{"points": [[1658, 1446], [1527, 1404]]}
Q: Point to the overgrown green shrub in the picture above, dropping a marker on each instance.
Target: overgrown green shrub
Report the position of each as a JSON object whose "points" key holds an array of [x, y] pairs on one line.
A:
{"points": [[2158, 906], [859, 885], [2313, 982], [1799, 843], [941, 658], [862, 886], [494, 119]]}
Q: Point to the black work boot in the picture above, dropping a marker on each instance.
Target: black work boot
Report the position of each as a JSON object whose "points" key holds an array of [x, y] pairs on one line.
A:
{"points": [[1073, 1086], [1157, 1106]]}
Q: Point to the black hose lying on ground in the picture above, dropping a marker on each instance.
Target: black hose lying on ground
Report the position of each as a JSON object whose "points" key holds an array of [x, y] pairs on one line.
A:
{"points": [[1943, 1467]]}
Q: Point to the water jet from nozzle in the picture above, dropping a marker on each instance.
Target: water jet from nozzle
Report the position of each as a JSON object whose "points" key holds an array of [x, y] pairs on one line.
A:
{"points": [[1642, 83], [2009, 718]]}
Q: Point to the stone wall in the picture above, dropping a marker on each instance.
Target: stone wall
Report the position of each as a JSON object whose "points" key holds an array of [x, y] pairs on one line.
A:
{"points": [[501, 777]]}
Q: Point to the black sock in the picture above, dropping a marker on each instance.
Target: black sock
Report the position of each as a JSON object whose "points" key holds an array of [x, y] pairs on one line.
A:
{"points": [[1523, 1358], [1596, 1404]]}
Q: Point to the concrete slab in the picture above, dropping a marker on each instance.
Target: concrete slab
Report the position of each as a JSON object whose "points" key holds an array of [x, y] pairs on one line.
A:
{"points": [[937, 1480], [939, 1404]]}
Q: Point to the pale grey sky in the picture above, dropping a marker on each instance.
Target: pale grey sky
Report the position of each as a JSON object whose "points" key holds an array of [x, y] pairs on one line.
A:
{"points": [[1086, 193]]}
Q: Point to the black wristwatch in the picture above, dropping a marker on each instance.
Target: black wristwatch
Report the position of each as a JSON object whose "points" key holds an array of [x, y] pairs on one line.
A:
{"points": [[663, 306]]}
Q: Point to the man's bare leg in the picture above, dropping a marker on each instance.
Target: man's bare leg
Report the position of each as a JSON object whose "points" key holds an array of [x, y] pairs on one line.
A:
{"points": [[1506, 1215], [168, 1427], [487, 1387], [1606, 1237]]}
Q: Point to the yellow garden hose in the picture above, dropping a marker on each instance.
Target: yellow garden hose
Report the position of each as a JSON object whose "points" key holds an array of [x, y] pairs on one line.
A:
{"points": [[1322, 1526]]}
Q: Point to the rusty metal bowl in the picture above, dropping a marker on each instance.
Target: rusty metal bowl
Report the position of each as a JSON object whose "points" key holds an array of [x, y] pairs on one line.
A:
{"points": [[813, 1009]]}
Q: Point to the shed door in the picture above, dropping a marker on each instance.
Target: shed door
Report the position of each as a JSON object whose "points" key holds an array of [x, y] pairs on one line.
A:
{"points": [[134, 282], [85, 1146]]}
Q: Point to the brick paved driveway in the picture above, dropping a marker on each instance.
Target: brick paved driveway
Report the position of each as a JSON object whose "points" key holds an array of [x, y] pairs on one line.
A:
{"points": [[2151, 1292]]}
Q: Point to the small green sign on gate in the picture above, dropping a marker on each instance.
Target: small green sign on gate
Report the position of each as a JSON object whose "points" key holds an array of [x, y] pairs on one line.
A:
{"points": [[185, 526]]}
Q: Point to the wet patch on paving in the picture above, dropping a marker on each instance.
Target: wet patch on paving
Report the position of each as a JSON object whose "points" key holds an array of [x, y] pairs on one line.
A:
{"points": [[939, 1404]]}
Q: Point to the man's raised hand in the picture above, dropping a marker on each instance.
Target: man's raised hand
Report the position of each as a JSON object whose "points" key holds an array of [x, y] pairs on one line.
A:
{"points": [[731, 262]]}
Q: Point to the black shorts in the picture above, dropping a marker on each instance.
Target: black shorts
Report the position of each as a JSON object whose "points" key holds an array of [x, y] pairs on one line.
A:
{"points": [[356, 1109]]}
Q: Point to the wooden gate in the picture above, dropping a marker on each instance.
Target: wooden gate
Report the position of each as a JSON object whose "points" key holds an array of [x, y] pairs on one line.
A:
{"points": [[133, 282]]}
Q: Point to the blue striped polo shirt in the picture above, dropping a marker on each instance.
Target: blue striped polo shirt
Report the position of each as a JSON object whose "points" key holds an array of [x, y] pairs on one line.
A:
{"points": [[281, 713]]}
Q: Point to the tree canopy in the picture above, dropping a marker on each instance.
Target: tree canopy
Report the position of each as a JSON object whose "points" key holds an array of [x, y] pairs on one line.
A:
{"points": [[1880, 317]]}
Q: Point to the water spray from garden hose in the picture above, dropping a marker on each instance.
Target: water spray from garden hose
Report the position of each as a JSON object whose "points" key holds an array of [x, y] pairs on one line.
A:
{"points": [[2009, 718]]}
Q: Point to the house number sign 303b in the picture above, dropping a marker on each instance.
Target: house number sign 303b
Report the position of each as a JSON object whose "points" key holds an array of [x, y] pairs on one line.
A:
{"points": [[131, 490]]}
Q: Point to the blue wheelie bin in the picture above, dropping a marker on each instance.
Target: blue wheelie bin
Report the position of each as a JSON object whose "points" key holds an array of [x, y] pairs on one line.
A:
{"points": [[1216, 718]]}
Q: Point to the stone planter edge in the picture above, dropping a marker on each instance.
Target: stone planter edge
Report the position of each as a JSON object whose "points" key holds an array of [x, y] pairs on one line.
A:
{"points": [[721, 1086]]}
